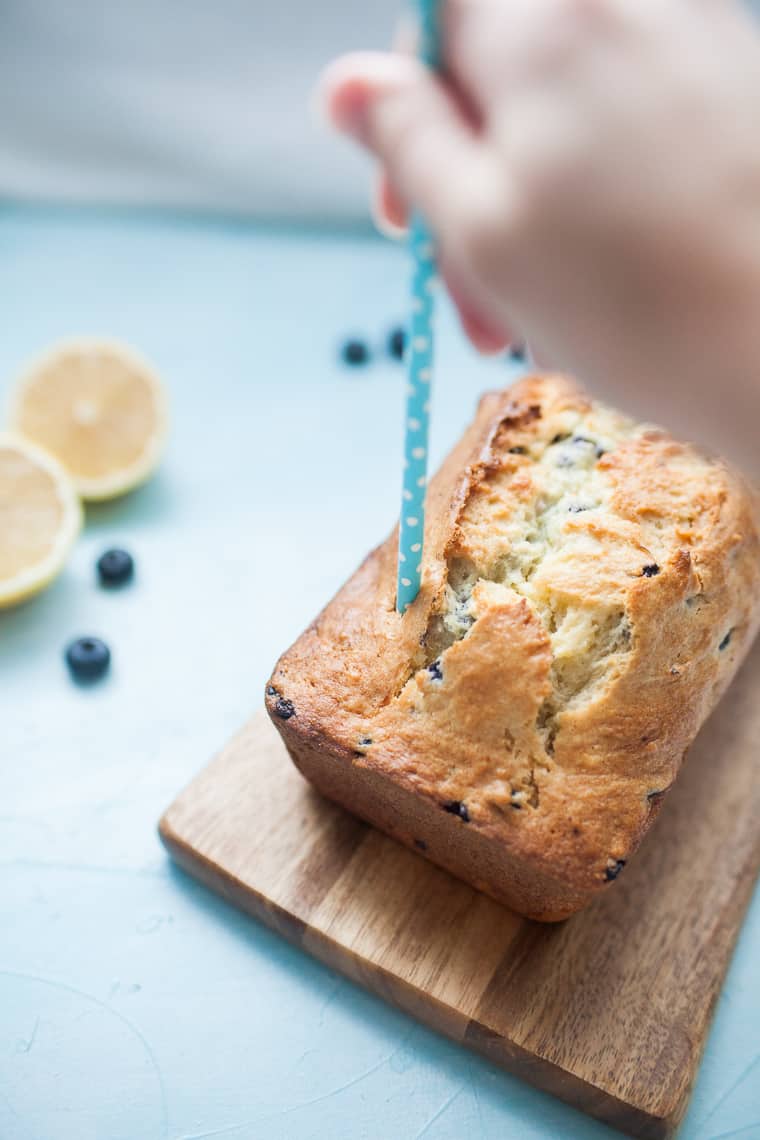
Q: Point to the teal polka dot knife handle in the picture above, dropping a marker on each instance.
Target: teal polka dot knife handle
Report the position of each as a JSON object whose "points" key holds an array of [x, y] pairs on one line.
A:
{"points": [[419, 364]]}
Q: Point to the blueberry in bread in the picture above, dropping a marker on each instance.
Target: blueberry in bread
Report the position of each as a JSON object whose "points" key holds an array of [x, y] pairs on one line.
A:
{"points": [[589, 588]]}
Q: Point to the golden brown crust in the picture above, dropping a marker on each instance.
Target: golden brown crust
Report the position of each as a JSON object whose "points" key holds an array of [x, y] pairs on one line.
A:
{"points": [[590, 587]]}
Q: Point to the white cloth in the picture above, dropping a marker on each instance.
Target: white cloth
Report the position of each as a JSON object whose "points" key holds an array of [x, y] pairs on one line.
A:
{"points": [[189, 103]]}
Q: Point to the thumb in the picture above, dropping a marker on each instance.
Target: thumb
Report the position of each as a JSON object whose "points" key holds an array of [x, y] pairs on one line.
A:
{"points": [[395, 107]]}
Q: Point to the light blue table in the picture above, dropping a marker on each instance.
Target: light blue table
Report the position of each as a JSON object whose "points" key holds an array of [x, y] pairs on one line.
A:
{"points": [[134, 1004]]}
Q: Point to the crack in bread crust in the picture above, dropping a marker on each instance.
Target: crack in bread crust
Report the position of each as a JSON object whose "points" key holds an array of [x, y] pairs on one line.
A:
{"points": [[564, 482]]}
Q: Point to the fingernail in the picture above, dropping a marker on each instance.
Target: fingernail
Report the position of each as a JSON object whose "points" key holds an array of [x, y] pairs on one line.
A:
{"points": [[486, 339], [383, 223], [349, 86], [387, 228], [341, 99], [349, 107]]}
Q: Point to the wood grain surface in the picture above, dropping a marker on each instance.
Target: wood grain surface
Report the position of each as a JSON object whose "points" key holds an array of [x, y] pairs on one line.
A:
{"points": [[608, 1010]]}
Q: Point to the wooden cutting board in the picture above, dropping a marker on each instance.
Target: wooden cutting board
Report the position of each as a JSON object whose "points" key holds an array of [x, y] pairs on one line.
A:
{"points": [[608, 1010]]}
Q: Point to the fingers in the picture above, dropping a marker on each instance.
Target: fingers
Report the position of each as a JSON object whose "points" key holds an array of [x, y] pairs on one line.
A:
{"points": [[487, 340], [397, 109], [489, 335], [432, 158], [388, 208], [389, 211], [490, 48], [486, 333]]}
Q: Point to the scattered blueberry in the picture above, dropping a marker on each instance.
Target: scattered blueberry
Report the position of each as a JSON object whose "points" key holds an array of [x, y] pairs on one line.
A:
{"points": [[650, 571], [434, 669], [583, 439], [517, 350], [726, 641], [613, 869], [456, 807], [284, 708], [397, 343], [561, 436], [519, 450], [576, 508], [365, 741], [115, 568], [355, 352], [88, 658], [271, 691]]}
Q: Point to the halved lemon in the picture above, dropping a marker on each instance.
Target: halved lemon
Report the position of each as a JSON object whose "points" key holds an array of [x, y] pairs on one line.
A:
{"points": [[100, 409], [40, 516]]}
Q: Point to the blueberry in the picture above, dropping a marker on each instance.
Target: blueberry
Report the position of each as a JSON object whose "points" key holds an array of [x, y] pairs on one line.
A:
{"points": [[88, 658], [613, 869], [397, 343], [576, 508], [434, 669], [518, 450], [284, 708], [355, 351], [517, 350], [115, 567], [650, 571], [726, 641], [599, 451], [456, 807]]}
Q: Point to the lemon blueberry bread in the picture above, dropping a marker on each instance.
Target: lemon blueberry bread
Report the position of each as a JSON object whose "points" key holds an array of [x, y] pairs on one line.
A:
{"points": [[589, 588]]}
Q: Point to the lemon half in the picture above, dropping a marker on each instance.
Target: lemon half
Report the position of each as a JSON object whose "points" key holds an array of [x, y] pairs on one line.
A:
{"points": [[40, 516], [99, 408]]}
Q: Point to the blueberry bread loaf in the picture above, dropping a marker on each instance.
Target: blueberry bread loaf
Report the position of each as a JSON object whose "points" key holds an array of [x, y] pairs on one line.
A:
{"points": [[590, 587]]}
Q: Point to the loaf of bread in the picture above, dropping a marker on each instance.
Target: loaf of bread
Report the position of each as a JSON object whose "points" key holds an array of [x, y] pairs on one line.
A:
{"points": [[589, 588]]}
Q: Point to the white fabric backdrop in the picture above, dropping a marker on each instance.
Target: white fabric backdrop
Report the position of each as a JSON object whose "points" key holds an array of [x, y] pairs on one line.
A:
{"points": [[195, 103]]}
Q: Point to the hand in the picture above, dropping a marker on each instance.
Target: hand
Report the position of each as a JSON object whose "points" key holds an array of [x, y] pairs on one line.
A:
{"points": [[591, 170]]}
